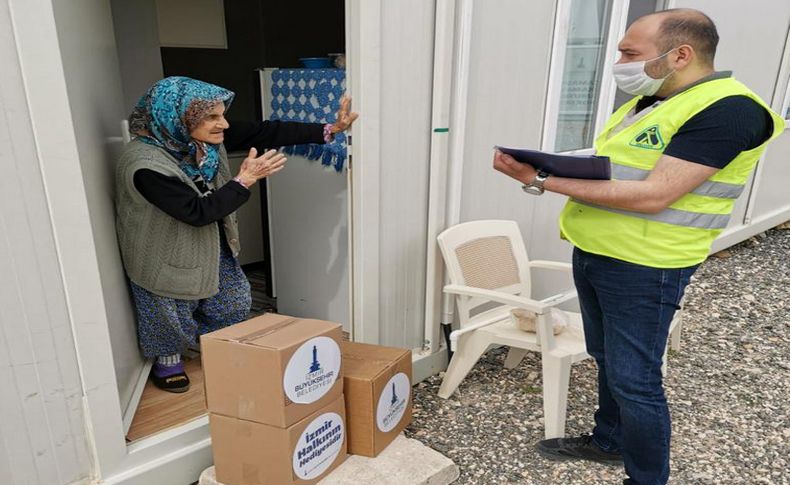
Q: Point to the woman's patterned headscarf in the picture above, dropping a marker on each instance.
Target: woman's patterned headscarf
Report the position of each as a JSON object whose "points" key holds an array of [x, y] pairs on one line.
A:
{"points": [[167, 113]]}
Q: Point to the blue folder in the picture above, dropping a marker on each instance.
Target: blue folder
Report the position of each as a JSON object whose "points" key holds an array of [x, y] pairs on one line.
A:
{"points": [[571, 166]]}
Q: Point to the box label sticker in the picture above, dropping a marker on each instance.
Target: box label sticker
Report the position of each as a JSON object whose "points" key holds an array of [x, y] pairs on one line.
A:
{"points": [[393, 401], [318, 446], [312, 370]]}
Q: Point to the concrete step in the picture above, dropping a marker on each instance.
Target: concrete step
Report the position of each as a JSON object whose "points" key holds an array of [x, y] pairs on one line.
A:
{"points": [[404, 462]]}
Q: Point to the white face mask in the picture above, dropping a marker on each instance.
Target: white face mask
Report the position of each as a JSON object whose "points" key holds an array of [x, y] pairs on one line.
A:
{"points": [[632, 78]]}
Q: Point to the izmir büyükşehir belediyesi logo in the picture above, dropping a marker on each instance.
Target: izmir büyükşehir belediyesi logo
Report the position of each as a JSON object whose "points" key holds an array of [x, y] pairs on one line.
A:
{"points": [[318, 446], [312, 370], [393, 401]]}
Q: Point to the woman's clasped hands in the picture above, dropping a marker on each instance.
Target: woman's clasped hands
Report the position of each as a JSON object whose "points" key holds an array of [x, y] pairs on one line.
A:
{"points": [[255, 167]]}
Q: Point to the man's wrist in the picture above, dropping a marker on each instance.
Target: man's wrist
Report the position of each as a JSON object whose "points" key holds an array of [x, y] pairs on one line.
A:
{"points": [[534, 185], [529, 179]]}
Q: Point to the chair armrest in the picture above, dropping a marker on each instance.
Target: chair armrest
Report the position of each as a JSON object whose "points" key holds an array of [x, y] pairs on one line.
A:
{"points": [[552, 265], [560, 298], [499, 297]]}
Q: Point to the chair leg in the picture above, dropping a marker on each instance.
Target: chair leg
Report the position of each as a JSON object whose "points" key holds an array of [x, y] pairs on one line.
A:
{"points": [[514, 357], [674, 337], [675, 329], [556, 376], [470, 347]]}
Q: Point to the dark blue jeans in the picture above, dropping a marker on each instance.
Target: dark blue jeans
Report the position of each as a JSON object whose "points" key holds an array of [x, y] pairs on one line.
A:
{"points": [[627, 309]]}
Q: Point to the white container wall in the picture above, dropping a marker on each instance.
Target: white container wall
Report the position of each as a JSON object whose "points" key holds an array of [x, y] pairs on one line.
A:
{"points": [[42, 424], [56, 360], [406, 76], [754, 46], [392, 64], [505, 106]]}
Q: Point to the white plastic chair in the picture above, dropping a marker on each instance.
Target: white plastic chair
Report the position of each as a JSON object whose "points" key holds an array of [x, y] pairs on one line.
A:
{"points": [[487, 262]]}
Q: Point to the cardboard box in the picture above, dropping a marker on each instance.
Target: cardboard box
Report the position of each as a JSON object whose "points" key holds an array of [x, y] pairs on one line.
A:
{"points": [[247, 453], [377, 387], [272, 369]]}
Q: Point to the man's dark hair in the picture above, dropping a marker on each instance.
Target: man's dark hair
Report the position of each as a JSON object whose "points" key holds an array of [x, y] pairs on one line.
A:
{"points": [[687, 26]]}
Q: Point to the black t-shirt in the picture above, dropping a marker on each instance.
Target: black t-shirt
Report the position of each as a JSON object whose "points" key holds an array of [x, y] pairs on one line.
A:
{"points": [[718, 133], [180, 201]]}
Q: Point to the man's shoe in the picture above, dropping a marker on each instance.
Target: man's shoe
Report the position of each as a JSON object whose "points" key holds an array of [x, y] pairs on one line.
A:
{"points": [[581, 448]]}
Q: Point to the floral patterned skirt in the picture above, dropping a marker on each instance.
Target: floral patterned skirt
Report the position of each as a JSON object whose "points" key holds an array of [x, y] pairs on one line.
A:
{"points": [[167, 326]]}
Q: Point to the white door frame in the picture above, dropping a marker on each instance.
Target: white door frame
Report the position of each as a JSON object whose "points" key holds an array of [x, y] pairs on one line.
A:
{"points": [[48, 102], [58, 156], [185, 450], [363, 48]]}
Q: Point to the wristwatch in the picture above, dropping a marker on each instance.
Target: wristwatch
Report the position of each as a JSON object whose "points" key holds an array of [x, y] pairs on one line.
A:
{"points": [[536, 186]]}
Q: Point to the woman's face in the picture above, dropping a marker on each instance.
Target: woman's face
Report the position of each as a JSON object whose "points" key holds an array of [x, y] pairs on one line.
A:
{"points": [[212, 128]]}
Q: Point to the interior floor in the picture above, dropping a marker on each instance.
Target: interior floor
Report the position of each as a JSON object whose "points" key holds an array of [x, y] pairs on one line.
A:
{"points": [[161, 410]]}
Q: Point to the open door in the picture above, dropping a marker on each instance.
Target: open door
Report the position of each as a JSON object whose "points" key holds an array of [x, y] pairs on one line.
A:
{"points": [[308, 203]]}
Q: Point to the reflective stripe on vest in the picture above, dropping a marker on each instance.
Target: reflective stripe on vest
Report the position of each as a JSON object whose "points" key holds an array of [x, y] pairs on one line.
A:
{"points": [[673, 216], [708, 188]]}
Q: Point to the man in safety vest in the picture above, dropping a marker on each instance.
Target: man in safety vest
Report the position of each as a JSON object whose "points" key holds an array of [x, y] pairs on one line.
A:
{"points": [[681, 151]]}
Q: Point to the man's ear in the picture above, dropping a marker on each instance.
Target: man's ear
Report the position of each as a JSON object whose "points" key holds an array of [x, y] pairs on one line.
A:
{"points": [[684, 55]]}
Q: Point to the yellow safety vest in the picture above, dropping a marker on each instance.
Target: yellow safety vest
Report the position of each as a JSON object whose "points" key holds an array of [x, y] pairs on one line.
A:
{"points": [[682, 234]]}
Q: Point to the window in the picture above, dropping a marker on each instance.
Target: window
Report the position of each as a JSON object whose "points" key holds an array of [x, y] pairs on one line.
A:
{"points": [[782, 90], [582, 92], [582, 71], [786, 105], [784, 109]]}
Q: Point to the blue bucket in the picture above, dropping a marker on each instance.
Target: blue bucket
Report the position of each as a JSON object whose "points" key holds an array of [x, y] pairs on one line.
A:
{"points": [[316, 62]]}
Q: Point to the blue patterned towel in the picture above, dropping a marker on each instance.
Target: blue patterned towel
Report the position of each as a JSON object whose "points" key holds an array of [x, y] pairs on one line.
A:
{"points": [[311, 96]]}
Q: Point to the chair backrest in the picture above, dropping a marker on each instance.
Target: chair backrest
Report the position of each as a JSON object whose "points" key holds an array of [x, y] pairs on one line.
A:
{"points": [[487, 254]]}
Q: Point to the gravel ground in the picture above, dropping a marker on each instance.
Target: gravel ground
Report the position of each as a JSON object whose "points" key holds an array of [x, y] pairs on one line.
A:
{"points": [[728, 389]]}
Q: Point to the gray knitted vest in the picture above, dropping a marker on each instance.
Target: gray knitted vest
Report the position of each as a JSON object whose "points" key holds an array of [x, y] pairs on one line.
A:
{"points": [[161, 254]]}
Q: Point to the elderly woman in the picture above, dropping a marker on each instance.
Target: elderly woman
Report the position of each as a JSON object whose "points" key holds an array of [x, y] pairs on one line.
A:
{"points": [[175, 203]]}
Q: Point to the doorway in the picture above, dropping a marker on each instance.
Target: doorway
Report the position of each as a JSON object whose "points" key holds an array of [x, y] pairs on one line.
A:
{"points": [[294, 229]]}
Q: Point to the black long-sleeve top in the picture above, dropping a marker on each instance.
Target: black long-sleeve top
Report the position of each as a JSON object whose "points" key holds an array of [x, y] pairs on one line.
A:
{"points": [[181, 202]]}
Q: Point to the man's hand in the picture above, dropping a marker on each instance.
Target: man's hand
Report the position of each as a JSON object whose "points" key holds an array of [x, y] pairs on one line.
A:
{"points": [[523, 172], [345, 118]]}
